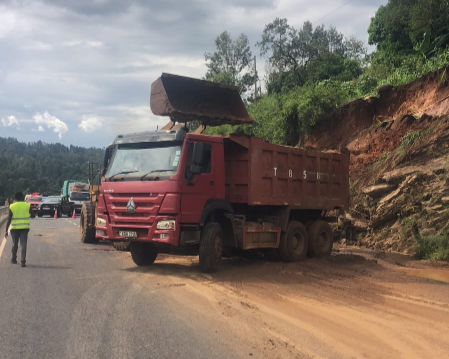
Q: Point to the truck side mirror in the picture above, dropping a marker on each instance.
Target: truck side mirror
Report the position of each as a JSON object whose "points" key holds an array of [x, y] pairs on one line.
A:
{"points": [[197, 158]]}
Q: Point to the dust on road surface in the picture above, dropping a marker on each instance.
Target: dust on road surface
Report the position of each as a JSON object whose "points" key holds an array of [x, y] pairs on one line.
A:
{"points": [[354, 304]]}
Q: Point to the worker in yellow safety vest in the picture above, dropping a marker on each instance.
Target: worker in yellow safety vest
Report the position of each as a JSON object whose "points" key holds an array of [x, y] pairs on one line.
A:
{"points": [[20, 213]]}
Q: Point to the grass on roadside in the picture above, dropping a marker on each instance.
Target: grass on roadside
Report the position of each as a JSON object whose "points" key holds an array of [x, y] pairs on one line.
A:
{"points": [[434, 247]]}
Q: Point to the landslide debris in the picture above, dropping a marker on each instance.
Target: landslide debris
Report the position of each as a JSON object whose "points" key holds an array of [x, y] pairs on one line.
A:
{"points": [[399, 169]]}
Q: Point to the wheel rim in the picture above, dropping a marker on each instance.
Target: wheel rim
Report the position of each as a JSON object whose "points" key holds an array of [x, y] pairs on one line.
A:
{"points": [[217, 248], [323, 240], [297, 243]]}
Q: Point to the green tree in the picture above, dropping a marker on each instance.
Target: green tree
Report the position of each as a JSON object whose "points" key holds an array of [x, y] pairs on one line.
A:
{"points": [[41, 167], [231, 63], [296, 57], [405, 27]]}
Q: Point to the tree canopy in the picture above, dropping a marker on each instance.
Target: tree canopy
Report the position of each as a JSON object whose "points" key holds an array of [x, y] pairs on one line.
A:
{"points": [[41, 167], [312, 70], [297, 57], [232, 62], [407, 27]]}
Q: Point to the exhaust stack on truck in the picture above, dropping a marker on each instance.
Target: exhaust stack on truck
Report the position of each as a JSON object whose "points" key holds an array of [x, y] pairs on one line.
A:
{"points": [[173, 191]]}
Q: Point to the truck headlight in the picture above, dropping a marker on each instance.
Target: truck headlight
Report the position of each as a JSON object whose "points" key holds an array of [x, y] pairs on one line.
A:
{"points": [[169, 224], [101, 222]]}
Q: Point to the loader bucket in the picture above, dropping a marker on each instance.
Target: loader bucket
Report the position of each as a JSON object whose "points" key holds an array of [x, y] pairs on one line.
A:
{"points": [[185, 99]]}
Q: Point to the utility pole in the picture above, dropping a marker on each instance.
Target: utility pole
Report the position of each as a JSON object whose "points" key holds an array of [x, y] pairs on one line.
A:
{"points": [[255, 79]]}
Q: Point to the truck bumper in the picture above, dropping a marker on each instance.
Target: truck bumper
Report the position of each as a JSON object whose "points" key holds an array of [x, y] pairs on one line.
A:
{"points": [[145, 233]]}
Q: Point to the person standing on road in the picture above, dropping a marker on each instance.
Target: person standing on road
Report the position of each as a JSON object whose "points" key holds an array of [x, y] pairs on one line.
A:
{"points": [[20, 213]]}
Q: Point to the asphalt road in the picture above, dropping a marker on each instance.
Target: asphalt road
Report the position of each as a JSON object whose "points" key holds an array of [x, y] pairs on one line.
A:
{"points": [[89, 301]]}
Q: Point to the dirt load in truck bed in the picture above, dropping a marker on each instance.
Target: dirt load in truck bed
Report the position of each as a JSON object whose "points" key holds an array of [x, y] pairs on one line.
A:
{"points": [[354, 304]]}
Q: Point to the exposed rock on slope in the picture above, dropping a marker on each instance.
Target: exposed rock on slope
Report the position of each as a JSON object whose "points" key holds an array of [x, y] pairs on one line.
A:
{"points": [[399, 161]]}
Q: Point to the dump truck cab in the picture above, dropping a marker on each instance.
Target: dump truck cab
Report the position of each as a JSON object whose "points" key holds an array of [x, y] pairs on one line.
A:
{"points": [[149, 190]]}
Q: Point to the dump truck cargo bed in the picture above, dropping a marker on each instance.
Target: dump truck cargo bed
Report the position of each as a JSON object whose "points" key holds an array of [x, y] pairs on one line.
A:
{"points": [[260, 173]]}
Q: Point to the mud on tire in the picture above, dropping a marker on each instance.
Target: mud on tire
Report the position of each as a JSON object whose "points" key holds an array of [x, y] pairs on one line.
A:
{"points": [[143, 254], [320, 239], [211, 247], [294, 243], [87, 231]]}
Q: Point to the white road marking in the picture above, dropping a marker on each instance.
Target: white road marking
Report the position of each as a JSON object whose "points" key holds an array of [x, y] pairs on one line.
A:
{"points": [[2, 246]]}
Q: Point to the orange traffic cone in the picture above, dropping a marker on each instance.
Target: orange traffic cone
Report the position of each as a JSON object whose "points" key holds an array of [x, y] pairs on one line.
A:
{"points": [[56, 214], [74, 215]]}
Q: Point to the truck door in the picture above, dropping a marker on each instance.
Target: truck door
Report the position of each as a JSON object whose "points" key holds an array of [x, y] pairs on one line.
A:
{"points": [[199, 187]]}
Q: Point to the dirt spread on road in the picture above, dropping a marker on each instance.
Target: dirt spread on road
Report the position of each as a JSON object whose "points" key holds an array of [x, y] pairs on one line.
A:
{"points": [[354, 304]]}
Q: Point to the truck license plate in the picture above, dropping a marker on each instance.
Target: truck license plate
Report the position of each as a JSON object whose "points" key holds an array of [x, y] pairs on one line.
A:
{"points": [[128, 234]]}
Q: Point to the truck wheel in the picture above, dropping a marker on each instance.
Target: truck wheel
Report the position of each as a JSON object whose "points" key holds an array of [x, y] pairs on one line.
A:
{"points": [[143, 254], [39, 215], [320, 239], [87, 232], [293, 245], [211, 247]]}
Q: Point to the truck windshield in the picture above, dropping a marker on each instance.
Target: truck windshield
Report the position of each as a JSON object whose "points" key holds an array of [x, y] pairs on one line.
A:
{"points": [[53, 200], [144, 161], [79, 196]]}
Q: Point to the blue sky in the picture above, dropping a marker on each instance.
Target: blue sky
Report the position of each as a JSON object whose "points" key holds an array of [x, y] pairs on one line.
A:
{"points": [[79, 72]]}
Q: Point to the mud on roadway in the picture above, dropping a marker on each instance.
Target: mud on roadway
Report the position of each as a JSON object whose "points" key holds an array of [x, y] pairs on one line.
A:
{"points": [[354, 304]]}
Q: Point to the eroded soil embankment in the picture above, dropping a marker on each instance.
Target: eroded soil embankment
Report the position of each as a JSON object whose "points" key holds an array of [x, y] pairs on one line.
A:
{"points": [[399, 168]]}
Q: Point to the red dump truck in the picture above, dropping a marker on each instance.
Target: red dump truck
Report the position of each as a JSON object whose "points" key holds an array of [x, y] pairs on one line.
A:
{"points": [[173, 191]]}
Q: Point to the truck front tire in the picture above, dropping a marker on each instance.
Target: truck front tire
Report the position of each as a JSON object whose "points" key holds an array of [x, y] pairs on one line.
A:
{"points": [[143, 254], [211, 247], [320, 239], [293, 245], [87, 232]]}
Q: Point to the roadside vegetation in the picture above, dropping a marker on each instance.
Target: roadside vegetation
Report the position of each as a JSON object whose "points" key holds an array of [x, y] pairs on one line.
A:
{"points": [[314, 70], [434, 247], [41, 167]]}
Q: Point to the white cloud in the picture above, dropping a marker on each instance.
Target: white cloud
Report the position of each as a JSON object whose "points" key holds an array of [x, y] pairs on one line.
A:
{"points": [[7, 22], [89, 43], [90, 123], [40, 129], [51, 122], [38, 46], [10, 121], [94, 43]]}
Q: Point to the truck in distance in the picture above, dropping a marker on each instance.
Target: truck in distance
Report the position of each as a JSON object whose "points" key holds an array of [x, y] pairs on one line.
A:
{"points": [[173, 191]]}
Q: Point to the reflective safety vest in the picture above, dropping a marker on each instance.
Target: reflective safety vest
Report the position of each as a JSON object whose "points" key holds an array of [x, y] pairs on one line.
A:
{"points": [[20, 215]]}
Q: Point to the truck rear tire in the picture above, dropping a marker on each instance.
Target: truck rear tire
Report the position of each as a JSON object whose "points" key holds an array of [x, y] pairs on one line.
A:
{"points": [[87, 231], [320, 239], [211, 247], [143, 254], [294, 243]]}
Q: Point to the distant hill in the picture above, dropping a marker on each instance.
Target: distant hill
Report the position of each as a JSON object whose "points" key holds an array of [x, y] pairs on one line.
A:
{"points": [[41, 167]]}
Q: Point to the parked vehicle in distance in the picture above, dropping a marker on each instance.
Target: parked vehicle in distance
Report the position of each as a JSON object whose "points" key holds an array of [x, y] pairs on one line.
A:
{"points": [[57, 204], [70, 186], [78, 198], [34, 200]]}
